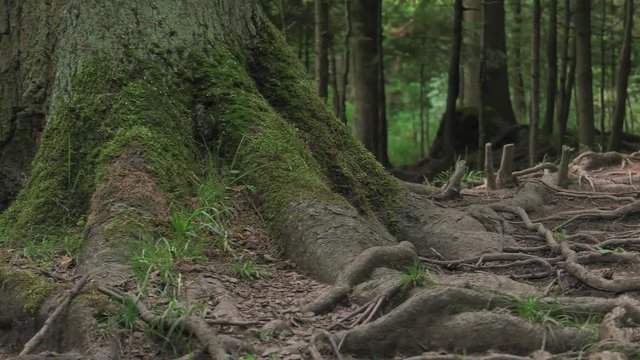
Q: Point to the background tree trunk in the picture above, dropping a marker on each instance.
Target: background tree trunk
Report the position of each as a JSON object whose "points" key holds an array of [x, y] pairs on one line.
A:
{"points": [[566, 80], [520, 103], [535, 82], [367, 77], [584, 76], [615, 141], [322, 47], [497, 94], [472, 18], [552, 68], [346, 63], [453, 82]]}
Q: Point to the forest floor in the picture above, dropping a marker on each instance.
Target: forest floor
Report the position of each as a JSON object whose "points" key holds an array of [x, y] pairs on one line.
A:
{"points": [[257, 297]]}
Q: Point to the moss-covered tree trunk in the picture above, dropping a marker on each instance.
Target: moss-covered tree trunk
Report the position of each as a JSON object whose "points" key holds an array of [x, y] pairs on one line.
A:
{"points": [[132, 96]]}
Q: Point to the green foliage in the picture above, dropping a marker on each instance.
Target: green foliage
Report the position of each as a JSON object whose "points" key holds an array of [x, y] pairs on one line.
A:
{"points": [[535, 310], [246, 269], [470, 178], [416, 275], [617, 250], [560, 235]]}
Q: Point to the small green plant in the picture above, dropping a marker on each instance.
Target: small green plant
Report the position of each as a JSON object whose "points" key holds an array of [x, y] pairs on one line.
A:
{"points": [[532, 309], [559, 235], [247, 357], [617, 250], [470, 178], [247, 270], [416, 275]]}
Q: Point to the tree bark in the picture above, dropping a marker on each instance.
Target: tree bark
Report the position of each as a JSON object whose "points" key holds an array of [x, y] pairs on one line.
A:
{"points": [[472, 18], [520, 104], [322, 37], [615, 141], [535, 82], [567, 75], [584, 76], [346, 56], [603, 75], [453, 82], [497, 94], [552, 68], [370, 123]]}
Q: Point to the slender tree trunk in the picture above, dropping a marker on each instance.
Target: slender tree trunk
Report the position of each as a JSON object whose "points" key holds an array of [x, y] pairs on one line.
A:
{"points": [[552, 68], [346, 63], [615, 141], [603, 74], [520, 103], [334, 85], [382, 131], [497, 94], [568, 59], [482, 85], [454, 81], [367, 77], [584, 76], [283, 24], [472, 17], [322, 47], [422, 124], [535, 82]]}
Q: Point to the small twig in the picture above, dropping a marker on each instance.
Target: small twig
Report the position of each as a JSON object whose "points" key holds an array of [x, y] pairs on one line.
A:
{"points": [[535, 169], [40, 335], [333, 344]]}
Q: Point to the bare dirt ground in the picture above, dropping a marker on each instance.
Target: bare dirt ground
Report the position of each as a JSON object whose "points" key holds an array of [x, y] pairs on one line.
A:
{"points": [[263, 317]]}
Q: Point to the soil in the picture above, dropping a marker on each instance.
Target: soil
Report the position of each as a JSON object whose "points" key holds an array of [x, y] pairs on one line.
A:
{"points": [[268, 312]]}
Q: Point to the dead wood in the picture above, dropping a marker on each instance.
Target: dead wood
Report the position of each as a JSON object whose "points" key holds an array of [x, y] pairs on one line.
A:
{"points": [[563, 173], [191, 324], [476, 261], [488, 167], [452, 189], [505, 173], [43, 332]]}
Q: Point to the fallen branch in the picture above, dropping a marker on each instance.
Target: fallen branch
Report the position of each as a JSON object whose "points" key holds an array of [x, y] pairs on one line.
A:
{"points": [[44, 330]]}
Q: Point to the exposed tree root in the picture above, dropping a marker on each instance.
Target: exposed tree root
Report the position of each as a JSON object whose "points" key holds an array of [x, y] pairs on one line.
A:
{"points": [[505, 173], [616, 196], [360, 269], [43, 332], [457, 318], [563, 171], [191, 324]]}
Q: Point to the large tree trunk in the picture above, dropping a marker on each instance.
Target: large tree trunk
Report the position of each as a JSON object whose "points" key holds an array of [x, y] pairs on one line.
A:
{"points": [[139, 94], [584, 75], [370, 122], [615, 141]]}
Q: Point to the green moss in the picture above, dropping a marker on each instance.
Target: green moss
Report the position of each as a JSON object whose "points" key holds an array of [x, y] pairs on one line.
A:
{"points": [[25, 288], [268, 150], [351, 170], [116, 105]]}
